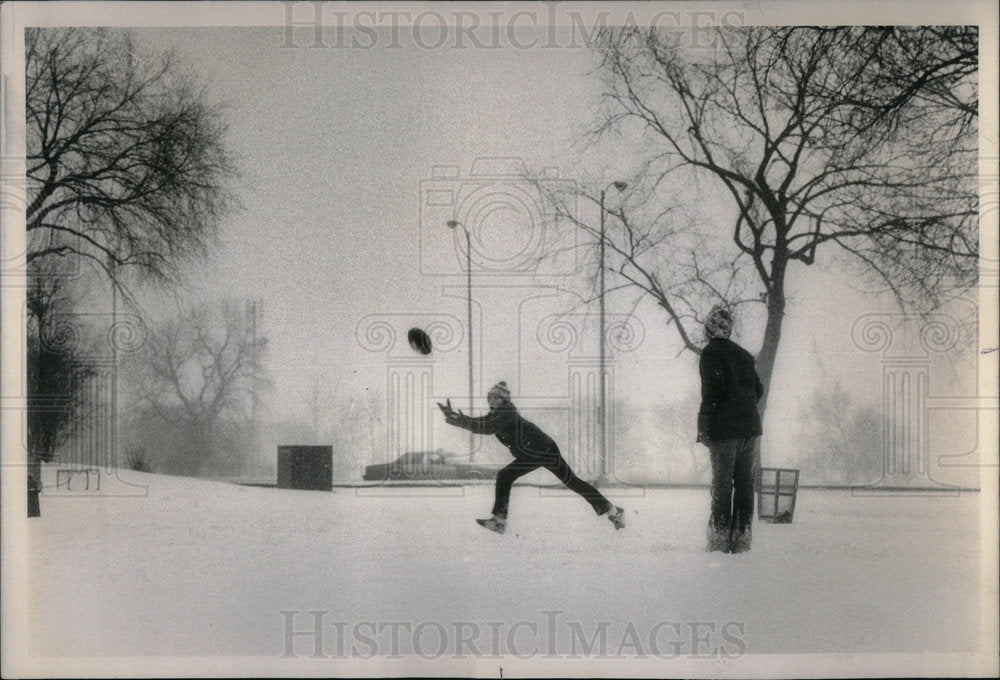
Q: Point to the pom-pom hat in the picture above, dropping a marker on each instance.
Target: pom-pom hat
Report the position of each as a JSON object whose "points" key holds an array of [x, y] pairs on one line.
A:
{"points": [[499, 390]]}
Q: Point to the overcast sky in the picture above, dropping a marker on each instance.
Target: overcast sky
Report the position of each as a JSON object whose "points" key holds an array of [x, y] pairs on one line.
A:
{"points": [[337, 145]]}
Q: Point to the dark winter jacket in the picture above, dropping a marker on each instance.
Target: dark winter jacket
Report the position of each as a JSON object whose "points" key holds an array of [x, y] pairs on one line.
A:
{"points": [[730, 390], [524, 439]]}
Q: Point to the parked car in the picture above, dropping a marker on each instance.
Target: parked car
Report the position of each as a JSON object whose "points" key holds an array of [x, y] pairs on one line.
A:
{"points": [[428, 465]]}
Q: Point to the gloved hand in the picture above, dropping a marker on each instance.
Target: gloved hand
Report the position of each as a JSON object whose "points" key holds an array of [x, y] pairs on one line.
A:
{"points": [[703, 437], [451, 416]]}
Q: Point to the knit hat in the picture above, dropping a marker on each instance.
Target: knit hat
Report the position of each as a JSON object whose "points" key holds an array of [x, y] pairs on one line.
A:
{"points": [[499, 390], [719, 323]]}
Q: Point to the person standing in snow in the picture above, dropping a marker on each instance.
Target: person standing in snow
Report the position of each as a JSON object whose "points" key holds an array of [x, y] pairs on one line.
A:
{"points": [[729, 424], [532, 449]]}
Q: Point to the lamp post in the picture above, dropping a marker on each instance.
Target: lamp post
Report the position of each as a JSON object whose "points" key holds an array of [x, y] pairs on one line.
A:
{"points": [[454, 224], [620, 186]]}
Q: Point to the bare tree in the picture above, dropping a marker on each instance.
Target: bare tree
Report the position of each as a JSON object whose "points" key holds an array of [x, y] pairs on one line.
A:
{"points": [[201, 368], [126, 167], [779, 120], [840, 440], [126, 164], [890, 76], [207, 362]]}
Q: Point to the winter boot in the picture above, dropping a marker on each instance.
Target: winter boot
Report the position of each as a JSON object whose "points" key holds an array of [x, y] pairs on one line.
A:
{"points": [[497, 524], [718, 541], [741, 541], [617, 517]]}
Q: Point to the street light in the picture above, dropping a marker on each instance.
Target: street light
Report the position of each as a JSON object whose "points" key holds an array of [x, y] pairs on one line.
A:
{"points": [[454, 224], [620, 186]]}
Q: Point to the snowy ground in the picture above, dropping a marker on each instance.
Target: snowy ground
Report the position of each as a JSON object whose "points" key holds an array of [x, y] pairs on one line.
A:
{"points": [[187, 567]]}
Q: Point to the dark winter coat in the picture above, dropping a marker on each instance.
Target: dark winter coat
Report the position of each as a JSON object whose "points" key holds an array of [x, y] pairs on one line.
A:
{"points": [[730, 390], [524, 439]]}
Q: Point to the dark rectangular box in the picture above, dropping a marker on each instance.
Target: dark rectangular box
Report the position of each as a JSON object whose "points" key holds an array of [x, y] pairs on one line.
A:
{"points": [[305, 467]]}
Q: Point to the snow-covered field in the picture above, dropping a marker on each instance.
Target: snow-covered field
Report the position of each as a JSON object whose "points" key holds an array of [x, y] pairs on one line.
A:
{"points": [[186, 567]]}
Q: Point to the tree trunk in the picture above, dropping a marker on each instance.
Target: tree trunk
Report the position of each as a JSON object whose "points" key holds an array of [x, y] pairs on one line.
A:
{"points": [[34, 459], [769, 348], [772, 330], [34, 486]]}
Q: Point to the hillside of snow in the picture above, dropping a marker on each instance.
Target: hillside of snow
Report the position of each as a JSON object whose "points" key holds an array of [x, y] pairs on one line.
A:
{"points": [[157, 566]]}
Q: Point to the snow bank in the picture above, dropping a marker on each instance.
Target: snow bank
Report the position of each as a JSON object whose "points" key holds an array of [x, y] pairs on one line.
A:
{"points": [[187, 567]]}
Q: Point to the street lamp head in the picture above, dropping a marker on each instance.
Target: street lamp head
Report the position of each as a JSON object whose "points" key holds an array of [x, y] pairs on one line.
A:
{"points": [[453, 224], [621, 186]]}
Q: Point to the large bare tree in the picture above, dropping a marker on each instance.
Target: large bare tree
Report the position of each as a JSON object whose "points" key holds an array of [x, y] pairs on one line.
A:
{"points": [[203, 364], [127, 171], [126, 163], [857, 141], [202, 371]]}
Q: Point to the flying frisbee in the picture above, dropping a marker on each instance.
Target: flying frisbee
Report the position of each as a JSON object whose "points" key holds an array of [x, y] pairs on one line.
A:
{"points": [[419, 340]]}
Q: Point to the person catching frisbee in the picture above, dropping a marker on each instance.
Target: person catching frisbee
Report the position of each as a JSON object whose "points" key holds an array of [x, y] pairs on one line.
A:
{"points": [[532, 449]]}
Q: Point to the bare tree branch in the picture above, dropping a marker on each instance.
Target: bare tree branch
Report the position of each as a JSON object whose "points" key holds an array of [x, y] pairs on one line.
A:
{"points": [[202, 365], [125, 158], [862, 138]]}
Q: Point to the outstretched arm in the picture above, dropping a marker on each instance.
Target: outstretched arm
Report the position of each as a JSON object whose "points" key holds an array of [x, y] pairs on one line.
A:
{"points": [[481, 425]]}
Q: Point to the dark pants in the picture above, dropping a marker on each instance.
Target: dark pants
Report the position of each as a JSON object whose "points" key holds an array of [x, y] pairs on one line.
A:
{"points": [[557, 465], [732, 493]]}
